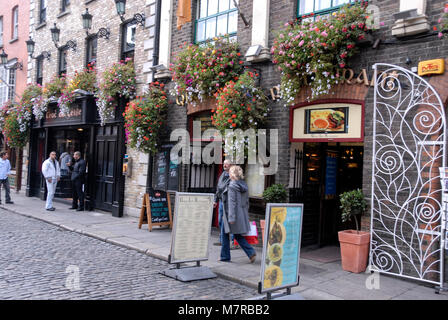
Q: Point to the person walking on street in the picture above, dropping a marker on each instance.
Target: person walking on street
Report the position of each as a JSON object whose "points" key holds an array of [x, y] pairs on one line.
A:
{"points": [[52, 174], [223, 182], [78, 170], [236, 214], [5, 171]]}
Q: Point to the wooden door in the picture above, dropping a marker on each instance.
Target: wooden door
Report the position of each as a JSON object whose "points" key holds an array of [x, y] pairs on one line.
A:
{"points": [[106, 159]]}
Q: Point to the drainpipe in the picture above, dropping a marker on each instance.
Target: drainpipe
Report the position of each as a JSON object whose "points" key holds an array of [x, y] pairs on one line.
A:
{"points": [[155, 61]]}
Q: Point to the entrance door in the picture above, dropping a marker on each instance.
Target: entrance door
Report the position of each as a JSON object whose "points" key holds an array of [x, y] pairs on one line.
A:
{"points": [[329, 170], [106, 158]]}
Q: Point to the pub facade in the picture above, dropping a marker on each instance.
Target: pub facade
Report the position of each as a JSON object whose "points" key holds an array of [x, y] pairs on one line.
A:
{"points": [[114, 34]]}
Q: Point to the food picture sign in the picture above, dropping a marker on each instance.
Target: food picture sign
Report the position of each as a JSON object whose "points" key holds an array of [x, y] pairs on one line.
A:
{"points": [[327, 122], [281, 248]]}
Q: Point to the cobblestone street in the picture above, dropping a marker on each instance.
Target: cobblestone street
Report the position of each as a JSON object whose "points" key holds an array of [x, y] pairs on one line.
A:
{"points": [[36, 260]]}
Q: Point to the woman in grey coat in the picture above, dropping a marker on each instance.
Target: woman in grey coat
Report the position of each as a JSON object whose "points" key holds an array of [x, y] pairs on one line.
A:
{"points": [[236, 214]]}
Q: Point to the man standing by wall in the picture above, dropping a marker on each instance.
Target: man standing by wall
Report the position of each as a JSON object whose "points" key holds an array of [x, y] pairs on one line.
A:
{"points": [[78, 175], [52, 174], [5, 171]]}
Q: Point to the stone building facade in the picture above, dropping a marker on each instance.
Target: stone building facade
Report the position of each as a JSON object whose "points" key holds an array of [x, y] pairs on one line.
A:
{"points": [[14, 25], [67, 16]]}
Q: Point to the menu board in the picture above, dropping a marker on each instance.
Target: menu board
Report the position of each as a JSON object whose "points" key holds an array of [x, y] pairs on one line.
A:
{"points": [[331, 172], [173, 177], [281, 247], [159, 206], [160, 171], [192, 227]]}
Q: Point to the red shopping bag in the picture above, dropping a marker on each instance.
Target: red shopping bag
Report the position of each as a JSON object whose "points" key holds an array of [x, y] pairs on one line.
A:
{"points": [[252, 235]]}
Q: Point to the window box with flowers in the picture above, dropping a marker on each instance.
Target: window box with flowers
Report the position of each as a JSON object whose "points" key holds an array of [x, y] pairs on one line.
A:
{"points": [[84, 82], [119, 81], [144, 119], [51, 91], [314, 52], [201, 70]]}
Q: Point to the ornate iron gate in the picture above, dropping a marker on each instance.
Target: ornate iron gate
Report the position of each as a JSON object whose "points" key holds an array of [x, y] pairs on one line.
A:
{"points": [[409, 145]]}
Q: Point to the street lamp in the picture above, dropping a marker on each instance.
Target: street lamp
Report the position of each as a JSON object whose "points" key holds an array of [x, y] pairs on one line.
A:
{"points": [[87, 24], [30, 48], [139, 18], [55, 32], [4, 61]]}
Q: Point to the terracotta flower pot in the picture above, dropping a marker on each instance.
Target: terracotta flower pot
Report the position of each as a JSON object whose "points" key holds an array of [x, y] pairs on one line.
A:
{"points": [[354, 250]]}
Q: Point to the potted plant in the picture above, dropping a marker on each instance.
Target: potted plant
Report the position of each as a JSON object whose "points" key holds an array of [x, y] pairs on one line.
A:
{"points": [[354, 243], [274, 194]]}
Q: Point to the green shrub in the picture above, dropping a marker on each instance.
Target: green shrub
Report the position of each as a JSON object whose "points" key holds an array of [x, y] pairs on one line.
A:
{"points": [[353, 203], [275, 194]]}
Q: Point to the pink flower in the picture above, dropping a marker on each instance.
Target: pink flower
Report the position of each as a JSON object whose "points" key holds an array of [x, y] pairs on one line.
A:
{"points": [[324, 34], [445, 10], [440, 35], [301, 43]]}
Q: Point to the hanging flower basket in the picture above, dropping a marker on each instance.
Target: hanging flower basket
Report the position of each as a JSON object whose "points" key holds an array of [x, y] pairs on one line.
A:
{"points": [[200, 71], [144, 119], [313, 52], [119, 81], [16, 126]]}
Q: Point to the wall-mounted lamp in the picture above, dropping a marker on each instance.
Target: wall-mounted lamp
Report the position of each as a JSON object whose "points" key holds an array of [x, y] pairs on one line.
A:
{"points": [[55, 32], [87, 24], [139, 18], [30, 48], [4, 61]]}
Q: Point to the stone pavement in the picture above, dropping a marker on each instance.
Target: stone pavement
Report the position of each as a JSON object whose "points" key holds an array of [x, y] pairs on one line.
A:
{"points": [[319, 281], [40, 261]]}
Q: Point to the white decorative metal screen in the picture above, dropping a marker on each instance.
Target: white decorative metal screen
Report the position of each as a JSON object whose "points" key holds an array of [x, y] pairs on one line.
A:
{"points": [[409, 133]]}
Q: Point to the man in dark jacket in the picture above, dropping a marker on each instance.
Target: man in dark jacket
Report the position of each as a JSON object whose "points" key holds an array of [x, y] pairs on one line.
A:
{"points": [[78, 170]]}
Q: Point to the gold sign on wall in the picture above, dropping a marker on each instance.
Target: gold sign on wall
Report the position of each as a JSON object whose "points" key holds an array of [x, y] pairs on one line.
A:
{"points": [[436, 66]]}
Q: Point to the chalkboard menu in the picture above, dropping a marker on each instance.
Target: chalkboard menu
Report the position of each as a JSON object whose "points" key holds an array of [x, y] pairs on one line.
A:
{"points": [[159, 206], [166, 172], [173, 177], [192, 227], [160, 172], [156, 209]]}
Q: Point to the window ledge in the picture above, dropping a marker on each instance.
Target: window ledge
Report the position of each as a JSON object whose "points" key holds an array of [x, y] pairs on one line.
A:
{"points": [[410, 26], [63, 14], [13, 40], [41, 25]]}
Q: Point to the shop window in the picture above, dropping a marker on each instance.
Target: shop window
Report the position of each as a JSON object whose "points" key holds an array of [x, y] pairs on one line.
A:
{"points": [[13, 158], [165, 172], [319, 8], [42, 11], [128, 36], [64, 5], [216, 18], [39, 69], [1, 31], [62, 68], [15, 23], [92, 47]]}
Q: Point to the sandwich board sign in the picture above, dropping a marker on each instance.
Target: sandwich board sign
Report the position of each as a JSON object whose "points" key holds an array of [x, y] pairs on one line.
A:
{"points": [[190, 237]]}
